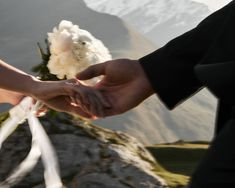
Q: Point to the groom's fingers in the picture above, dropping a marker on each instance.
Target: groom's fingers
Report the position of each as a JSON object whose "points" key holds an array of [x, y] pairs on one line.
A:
{"points": [[92, 71]]}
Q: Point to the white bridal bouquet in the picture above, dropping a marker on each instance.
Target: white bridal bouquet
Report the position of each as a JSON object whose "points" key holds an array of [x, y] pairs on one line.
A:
{"points": [[70, 50], [73, 49]]}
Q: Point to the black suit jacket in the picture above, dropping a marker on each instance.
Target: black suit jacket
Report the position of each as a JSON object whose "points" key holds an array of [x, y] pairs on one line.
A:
{"points": [[204, 56]]}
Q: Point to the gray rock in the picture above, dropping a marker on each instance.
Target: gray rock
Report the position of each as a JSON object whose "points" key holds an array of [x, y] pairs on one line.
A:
{"points": [[89, 156]]}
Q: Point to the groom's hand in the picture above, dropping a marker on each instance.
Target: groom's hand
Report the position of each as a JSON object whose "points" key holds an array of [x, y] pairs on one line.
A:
{"points": [[124, 84]]}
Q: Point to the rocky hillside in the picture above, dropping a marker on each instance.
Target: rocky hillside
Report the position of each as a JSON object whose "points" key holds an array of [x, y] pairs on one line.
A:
{"points": [[89, 156]]}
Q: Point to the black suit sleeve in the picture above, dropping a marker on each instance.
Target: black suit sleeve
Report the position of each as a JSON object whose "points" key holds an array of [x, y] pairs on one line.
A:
{"points": [[170, 69]]}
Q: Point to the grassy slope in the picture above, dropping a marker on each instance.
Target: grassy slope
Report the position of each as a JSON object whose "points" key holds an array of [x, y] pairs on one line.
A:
{"points": [[179, 159]]}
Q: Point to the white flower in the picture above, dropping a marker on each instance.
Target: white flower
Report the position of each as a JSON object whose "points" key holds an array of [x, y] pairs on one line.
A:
{"points": [[73, 50]]}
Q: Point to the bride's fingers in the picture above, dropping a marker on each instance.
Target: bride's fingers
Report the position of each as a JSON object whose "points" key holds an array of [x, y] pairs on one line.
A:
{"points": [[77, 100], [42, 111], [83, 94], [89, 108], [90, 100], [92, 107], [99, 105], [80, 103], [63, 104], [96, 107], [101, 110], [102, 99]]}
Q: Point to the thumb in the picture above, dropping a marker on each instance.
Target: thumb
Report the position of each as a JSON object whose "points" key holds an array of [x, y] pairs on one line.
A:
{"points": [[92, 71]]}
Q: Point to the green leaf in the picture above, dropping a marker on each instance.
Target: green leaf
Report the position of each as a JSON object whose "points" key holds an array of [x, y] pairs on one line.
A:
{"points": [[3, 117], [37, 68], [41, 52]]}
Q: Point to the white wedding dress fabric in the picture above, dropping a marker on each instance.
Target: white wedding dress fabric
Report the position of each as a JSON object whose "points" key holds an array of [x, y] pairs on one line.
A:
{"points": [[41, 146]]}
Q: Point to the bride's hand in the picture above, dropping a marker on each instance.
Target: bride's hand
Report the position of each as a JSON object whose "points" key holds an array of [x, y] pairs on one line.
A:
{"points": [[90, 100], [62, 95], [63, 104], [11, 97], [46, 90]]}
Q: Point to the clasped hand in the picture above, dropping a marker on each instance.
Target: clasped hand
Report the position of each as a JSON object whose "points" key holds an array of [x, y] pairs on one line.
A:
{"points": [[124, 85], [71, 96]]}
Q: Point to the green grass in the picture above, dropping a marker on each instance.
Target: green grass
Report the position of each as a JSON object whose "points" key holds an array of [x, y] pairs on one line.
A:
{"points": [[178, 160], [173, 180], [3, 117]]}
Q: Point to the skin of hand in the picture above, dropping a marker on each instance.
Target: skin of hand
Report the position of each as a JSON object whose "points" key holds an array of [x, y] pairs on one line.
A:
{"points": [[90, 100], [59, 103], [70, 96], [14, 98], [50, 92], [124, 84], [63, 104], [11, 97]]}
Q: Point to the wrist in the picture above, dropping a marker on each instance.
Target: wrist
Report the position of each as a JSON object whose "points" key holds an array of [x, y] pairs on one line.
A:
{"points": [[11, 97], [144, 81], [31, 86]]}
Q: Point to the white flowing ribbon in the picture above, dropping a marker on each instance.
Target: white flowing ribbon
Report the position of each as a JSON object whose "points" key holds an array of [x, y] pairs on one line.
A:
{"points": [[17, 115], [24, 168], [41, 146]]}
